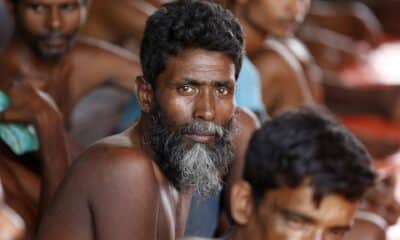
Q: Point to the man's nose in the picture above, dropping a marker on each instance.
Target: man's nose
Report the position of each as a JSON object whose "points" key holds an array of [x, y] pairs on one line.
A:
{"points": [[54, 20], [205, 106], [317, 235]]}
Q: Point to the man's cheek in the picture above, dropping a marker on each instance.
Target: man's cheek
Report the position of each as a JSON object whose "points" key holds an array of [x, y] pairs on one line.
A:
{"points": [[225, 110]]}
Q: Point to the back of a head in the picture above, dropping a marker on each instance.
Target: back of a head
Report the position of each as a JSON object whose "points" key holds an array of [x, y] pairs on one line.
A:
{"points": [[189, 24], [307, 145]]}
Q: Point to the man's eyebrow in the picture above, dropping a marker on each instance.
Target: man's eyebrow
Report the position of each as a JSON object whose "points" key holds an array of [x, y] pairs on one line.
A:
{"points": [[344, 228], [195, 82], [224, 83], [190, 81], [293, 213]]}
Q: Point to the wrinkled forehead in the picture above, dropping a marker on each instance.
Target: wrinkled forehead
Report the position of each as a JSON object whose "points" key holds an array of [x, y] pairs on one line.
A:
{"points": [[199, 65]]}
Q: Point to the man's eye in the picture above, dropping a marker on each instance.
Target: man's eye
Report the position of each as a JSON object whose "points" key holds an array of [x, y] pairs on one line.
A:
{"points": [[337, 234], [186, 89], [295, 222], [38, 8], [223, 91], [69, 7]]}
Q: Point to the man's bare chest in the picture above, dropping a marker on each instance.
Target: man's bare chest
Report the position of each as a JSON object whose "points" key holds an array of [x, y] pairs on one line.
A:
{"points": [[173, 213]]}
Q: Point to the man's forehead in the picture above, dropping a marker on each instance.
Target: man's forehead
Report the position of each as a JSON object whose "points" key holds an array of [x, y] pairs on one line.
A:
{"points": [[198, 64], [333, 208]]}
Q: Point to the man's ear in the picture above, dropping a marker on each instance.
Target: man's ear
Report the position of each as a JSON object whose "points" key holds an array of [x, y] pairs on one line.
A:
{"points": [[144, 94], [241, 202]]}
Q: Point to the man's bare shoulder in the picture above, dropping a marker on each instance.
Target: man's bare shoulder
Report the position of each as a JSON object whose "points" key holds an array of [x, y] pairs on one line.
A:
{"points": [[98, 62], [268, 57], [117, 161], [246, 119], [112, 181], [95, 47]]}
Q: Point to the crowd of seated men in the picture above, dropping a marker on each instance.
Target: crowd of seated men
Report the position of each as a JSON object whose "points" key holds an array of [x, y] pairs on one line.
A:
{"points": [[171, 119]]}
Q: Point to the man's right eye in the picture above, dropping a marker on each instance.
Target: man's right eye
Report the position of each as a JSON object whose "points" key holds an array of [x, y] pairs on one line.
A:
{"points": [[186, 90], [38, 8], [295, 222]]}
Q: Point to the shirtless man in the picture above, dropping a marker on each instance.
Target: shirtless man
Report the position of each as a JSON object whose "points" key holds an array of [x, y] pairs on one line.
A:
{"points": [[43, 48], [137, 185], [289, 76], [299, 181], [44, 58]]}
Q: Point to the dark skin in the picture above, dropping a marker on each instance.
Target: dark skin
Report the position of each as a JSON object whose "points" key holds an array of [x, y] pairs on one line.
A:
{"points": [[196, 84], [29, 105], [289, 213], [10, 221], [120, 22], [18, 185], [45, 78], [94, 61], [289, 77]]}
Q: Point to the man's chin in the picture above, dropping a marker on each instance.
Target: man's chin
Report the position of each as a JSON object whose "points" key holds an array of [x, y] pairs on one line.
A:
{"points": [[51, 53], [54, 56]]}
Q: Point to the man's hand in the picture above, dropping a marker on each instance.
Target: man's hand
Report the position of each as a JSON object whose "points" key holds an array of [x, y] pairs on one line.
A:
{"points": [[30, 106]]}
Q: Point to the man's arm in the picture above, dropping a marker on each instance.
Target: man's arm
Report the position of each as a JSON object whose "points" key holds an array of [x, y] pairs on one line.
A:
{"points": [[30, 106], [283, 86], [110, 193]]}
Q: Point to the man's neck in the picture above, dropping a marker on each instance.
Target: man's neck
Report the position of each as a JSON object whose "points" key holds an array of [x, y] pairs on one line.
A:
{"points": [[141, 134]]}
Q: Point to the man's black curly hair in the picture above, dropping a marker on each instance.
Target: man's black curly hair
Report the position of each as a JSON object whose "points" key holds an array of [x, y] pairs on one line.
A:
{"points": [[307, 145], [189, 24]]}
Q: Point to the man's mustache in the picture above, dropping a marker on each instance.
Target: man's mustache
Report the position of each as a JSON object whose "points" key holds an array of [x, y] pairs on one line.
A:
{"points": [[201, 127]]}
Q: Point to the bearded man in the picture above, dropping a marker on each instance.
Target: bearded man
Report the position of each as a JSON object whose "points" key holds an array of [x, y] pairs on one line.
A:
{"points": [[138, 184]]}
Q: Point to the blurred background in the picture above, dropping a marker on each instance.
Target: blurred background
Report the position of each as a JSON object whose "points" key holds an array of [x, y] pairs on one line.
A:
{"points": [[354, 44]]}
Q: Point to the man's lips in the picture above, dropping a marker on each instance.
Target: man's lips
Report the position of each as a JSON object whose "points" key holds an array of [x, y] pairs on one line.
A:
{"points": [[288, 25], [54, 42], [201, 137]]}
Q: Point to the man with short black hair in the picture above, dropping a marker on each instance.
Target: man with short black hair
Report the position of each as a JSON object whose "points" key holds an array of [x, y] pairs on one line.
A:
{"points": [[138, 184], [303, 179]]}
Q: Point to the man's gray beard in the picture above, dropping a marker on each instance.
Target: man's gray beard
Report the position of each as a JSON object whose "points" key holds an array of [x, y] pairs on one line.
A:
{"points": [[191, 165]]}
